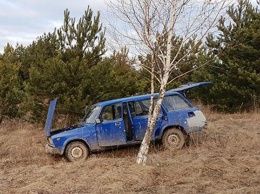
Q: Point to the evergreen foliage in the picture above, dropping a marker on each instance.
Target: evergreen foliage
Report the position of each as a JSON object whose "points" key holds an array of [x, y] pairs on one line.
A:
{"points": [[69, 64], [236, 70], [66, 64], [60, 64], [114, 77], [11, 91]]}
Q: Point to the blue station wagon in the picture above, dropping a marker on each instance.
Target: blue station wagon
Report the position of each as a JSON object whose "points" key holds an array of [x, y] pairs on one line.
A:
{"points": [[123, 122]]}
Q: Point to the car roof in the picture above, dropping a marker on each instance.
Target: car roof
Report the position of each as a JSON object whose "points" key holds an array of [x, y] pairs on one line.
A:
{"points": [[131, 98]]}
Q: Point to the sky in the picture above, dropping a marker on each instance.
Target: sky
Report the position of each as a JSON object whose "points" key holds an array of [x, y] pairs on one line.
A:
{"points": [[22, 21]]}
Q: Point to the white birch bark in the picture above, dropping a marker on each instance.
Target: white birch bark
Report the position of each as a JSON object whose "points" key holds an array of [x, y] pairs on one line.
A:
{"points": [[144, 148]]}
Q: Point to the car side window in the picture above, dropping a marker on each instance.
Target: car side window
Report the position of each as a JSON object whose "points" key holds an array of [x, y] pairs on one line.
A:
{"points": [[111, 112], [142, 107], [118, 111], [174, 103], [107, 115]]}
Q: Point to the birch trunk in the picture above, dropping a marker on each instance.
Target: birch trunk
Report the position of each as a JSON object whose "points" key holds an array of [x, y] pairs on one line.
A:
{"points": [[144, 148]]}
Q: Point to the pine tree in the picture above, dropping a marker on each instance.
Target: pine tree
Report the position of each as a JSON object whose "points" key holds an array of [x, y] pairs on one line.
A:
{"points": [[11, 92], [62, 60], [236, 71]]}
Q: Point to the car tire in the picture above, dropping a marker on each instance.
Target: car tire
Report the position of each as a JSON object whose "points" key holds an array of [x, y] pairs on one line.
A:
{"points": [[173, 139], [76, 151]]}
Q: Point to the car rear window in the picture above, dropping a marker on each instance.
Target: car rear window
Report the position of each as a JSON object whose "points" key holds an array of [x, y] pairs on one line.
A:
{"points": [[175, 102]]}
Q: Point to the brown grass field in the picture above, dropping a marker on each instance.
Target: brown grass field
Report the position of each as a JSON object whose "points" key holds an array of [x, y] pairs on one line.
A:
{"points": [[224, 158]]}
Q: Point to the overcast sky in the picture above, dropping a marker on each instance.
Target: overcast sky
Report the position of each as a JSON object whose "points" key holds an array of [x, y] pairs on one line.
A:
{"points": [[22, 21]]}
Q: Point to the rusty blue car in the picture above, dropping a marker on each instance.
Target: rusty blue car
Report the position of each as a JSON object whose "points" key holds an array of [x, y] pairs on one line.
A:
{"points": [[123, 121]]}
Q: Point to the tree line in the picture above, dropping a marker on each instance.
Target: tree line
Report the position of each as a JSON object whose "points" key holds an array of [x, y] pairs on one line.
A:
{"points": [[72, 64]]}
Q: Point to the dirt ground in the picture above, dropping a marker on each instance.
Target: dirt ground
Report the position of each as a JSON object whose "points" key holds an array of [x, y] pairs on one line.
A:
{"points": [[225, 158]]}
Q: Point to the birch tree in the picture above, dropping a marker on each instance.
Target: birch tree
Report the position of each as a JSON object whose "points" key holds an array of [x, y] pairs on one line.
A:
{"points": [[150, 26]]}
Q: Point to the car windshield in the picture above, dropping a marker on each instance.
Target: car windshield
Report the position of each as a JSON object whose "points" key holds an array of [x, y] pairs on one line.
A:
{"points": [[92, 115]]}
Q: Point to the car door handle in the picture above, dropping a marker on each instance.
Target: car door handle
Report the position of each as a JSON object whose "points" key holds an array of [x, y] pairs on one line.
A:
{"points": [[117, 123]]}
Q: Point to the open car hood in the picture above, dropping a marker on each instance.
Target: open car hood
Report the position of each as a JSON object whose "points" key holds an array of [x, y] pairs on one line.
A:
{"points": [[188, 86], [49, 118]]}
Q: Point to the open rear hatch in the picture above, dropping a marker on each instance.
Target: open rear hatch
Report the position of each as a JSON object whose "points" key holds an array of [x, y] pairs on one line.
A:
{"points": [[188, 86]]}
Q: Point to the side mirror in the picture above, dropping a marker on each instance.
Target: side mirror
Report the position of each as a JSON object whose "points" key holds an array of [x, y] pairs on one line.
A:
{"points": [[98, 121]]}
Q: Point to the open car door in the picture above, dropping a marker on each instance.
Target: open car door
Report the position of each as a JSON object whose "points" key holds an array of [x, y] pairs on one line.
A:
{"points": [[188, 86]]}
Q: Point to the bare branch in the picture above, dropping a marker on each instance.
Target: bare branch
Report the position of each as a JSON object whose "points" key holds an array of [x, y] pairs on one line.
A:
{"points": [[187, 72]]}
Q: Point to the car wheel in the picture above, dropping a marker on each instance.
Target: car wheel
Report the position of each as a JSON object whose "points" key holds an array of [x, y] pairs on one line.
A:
{"points": [[173, 139], [76, 151]]}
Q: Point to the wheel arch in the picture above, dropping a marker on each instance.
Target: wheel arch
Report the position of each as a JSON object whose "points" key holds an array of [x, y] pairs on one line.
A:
{"points": [[76, 140], [173, 126]]}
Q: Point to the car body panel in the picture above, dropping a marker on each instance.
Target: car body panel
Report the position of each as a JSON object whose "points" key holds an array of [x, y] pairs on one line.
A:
{"points": [[140, 126], [111, 133]]}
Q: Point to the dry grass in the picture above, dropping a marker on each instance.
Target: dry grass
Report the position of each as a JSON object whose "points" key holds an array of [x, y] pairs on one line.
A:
{"points": [[225, 158]]}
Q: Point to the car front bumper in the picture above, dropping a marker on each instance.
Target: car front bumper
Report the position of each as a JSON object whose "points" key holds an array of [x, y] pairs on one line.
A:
{"points": [[52, 150]]}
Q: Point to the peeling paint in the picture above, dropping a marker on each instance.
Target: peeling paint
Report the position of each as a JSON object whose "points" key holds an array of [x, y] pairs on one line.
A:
{"points": [[196, 119]]}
